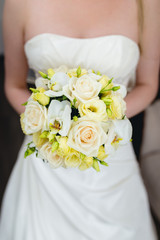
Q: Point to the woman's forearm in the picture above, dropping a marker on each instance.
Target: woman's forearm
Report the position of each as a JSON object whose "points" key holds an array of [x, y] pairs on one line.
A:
{"points": [[139, 98], [16, 97]]}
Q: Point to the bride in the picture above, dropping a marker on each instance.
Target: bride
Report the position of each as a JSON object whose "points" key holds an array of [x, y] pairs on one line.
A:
{"points": [[120, 39]]}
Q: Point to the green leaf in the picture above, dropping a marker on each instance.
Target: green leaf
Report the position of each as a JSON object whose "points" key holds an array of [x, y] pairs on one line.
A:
{"points": [[64, 97], [29, 151], [29, 144], [24, 104]]}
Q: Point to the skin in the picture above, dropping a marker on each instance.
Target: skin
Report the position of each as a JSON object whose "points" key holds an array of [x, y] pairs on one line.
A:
{"points": [[24, 19]]}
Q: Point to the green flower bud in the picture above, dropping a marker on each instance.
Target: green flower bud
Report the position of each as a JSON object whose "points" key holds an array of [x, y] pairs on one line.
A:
{"points": [[41, 98], [44, 134], [109, 112], [43, 75], [34, 90], [51, 137], [78, 71], [115, 88], [104, 163], [50, 72], [96, 165], [55, 146], [75, 118], [82, 156], [98, 73], [107, 100]]}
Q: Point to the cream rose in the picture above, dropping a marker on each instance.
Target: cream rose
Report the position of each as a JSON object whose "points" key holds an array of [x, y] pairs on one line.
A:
{"points": [[93, 109], [34, 118], [45, 152], [83, 88], [86, 136]]}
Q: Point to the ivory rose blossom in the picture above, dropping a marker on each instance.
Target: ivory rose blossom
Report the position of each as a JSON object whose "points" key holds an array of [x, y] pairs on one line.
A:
{"points": [[93, 109], [45, 152], [34, 118], [86, 136], [83, 88]]}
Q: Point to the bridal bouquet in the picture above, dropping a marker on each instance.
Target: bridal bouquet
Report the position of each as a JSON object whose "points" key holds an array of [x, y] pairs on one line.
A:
{"points": [[76, 117]]}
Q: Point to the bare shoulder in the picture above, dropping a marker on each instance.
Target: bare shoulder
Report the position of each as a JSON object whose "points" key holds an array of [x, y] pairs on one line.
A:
{"points": [[151, 26]]}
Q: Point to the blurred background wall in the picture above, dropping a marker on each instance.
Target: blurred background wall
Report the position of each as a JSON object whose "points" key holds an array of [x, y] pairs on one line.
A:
{"points": [[1, 42]]}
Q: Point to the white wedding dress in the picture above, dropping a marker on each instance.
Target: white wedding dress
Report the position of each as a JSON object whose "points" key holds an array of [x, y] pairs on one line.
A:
{"points": [[41, 203]]}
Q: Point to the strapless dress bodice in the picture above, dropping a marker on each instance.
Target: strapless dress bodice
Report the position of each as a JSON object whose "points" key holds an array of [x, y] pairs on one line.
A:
{"points": [[116, 56]]}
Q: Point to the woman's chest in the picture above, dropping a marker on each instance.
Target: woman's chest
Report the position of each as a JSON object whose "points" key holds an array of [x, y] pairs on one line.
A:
{"points": [[82, 19]]}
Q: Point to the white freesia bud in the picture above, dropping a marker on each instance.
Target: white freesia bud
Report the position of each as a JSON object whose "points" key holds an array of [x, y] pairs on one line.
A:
{"points": [[35, 117], [56, 84], [86, 136], [59, 117]]}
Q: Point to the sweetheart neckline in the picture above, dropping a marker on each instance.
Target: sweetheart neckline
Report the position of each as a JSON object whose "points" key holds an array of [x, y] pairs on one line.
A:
{"points": [[80, 39]]}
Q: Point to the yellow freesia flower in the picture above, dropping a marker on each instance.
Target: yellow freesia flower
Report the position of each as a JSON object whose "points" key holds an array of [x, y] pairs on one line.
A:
{"points": [[41, 98], [37, 140], [73, 159], [50, 72], [63, 150], [94, 109], [73, 72], [101, 153], [86, 163]]}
